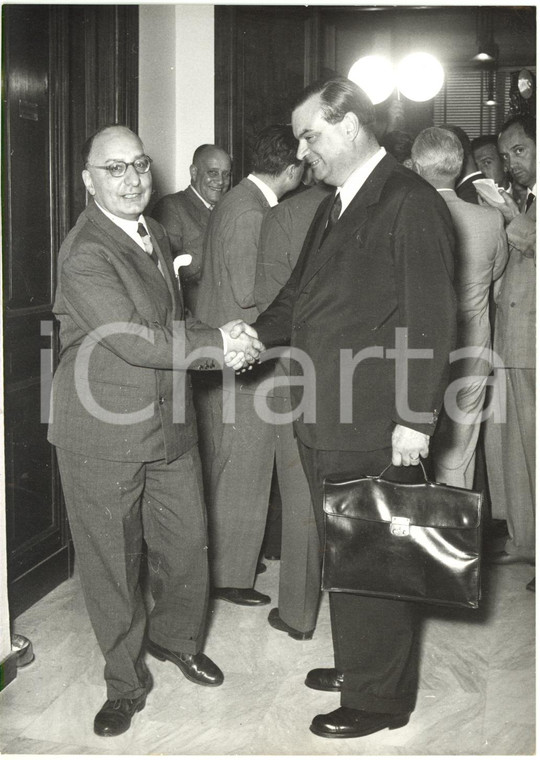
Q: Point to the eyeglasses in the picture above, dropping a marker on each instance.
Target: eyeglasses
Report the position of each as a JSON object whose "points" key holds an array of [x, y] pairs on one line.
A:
{"points": [[119, 168]]}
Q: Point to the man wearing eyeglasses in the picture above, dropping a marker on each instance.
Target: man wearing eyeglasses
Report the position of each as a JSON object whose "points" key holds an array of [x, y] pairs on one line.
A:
{"points": [[185, 215], [124, 429]]}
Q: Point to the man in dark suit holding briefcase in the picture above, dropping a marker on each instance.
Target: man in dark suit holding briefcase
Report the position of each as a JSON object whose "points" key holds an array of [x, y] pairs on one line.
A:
{"points": [[371, 304]]}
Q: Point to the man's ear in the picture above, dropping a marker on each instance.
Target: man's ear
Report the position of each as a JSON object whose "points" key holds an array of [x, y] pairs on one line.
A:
{"points": [[193, 172], [351, 125], [88, 183]]}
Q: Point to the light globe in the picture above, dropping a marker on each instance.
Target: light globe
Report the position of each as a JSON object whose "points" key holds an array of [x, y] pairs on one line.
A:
{"points": [[420, 76], [375, 75]]}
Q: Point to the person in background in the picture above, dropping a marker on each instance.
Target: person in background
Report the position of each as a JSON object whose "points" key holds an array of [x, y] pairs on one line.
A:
{"points": [[377, 261], [239, 453], [130, 472], [283, 232], [510, 444], [488, 161], [399, 145], [465, 188], [185, 214], [481, 255]]}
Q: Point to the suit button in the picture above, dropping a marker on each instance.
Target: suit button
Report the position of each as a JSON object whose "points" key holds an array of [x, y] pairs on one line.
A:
{"points": [[161, 400], [513, 303]]}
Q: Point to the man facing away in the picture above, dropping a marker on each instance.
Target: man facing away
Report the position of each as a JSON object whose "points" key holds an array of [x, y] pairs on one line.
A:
{"points": [[481, 256], [185, 214], [374, 280], [239, 453], [129, 470], [510, 444], [283, 233]]}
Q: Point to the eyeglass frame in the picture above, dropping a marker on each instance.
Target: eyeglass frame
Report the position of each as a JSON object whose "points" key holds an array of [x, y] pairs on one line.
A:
{"points": [[126, 164]]}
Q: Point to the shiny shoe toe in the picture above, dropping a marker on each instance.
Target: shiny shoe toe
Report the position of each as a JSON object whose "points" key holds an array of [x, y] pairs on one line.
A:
{"points": [[197, 668], [115, 716], [280, 625], [245, 597], [324, 679], [346, 723]]}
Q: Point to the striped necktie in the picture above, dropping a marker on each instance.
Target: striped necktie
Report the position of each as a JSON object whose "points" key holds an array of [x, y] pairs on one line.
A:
{"points": [[148, 247]]}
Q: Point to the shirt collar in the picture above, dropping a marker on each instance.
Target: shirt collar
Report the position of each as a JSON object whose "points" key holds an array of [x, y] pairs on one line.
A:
{"points": [[268, 193], [472, 174], [354, 181], [128, 225], [208, 205]]}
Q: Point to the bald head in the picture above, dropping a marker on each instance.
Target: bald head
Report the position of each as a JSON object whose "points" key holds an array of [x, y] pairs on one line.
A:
{"points": [[117, 171], [210, 172]]}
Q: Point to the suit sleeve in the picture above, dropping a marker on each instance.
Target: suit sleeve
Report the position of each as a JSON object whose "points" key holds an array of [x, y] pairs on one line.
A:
{"points": [[521, 232], [273, 261], [424, 261], [239, 244], [97, 300]]}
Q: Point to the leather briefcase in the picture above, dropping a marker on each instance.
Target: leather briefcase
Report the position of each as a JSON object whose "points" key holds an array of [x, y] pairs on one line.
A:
{"points": [[419, 542]]}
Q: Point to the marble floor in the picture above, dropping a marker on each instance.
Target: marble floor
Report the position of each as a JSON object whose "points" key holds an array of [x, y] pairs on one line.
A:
{"points": [[476, 697]]}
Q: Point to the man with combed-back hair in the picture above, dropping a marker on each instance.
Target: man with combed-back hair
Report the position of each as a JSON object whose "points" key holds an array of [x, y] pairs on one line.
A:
{"points": [[376, 266], [481, 256]]}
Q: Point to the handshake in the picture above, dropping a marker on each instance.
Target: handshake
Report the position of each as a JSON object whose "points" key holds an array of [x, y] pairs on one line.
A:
{"points": [[241, 345]]}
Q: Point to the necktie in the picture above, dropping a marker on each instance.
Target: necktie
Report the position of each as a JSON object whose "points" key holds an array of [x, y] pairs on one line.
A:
{"points": [[148, 247], [530, 199], [335, 211]]}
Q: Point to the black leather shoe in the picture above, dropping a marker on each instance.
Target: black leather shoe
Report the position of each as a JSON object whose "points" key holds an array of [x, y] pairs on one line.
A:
{"points": [[115, 716], [247, 597], [531, 585], [261, 568], [503, 558], [324, 679], [280, 625], [196, 667], [346, 723]]}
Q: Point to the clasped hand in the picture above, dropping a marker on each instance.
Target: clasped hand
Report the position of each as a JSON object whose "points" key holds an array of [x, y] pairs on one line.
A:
{"points": [[242, 345]]}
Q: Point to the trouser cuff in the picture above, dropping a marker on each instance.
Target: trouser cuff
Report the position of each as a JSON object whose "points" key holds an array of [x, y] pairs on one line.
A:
{"points": [[370, 703]]}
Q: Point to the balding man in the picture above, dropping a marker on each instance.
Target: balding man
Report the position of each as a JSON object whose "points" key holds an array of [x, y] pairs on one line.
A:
{"points": [[124, 429], [481, 256], [185, 214]]}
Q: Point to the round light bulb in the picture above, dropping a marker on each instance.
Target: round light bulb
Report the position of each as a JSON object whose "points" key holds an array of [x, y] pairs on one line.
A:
{"points": [[420, 76], [375, 75]]}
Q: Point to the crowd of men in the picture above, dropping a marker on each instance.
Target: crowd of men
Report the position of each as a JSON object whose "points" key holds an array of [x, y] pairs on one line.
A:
{"points": [[336, 241]]}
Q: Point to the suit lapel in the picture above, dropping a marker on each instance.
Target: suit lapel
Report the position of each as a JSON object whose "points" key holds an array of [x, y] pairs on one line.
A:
{"points": [[351, 224]]}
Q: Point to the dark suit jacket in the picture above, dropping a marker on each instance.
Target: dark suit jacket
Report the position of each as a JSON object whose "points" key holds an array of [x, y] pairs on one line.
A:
{"points": [[106, 279], [387, 264], [185, 217], [466, 190]]}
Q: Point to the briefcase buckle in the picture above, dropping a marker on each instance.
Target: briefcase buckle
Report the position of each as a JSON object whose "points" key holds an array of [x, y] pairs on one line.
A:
{"points": [[400, 526]]}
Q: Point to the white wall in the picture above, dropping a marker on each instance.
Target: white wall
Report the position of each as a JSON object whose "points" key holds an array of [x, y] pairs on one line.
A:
{"points": [[176, 88]]}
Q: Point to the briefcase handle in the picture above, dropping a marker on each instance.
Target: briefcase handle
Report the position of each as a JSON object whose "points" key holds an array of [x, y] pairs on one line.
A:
{"points": [[391, 465]]}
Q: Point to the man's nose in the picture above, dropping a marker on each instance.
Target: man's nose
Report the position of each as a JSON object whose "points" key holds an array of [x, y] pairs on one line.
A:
{"points": [[302, 150], [132, 176]]}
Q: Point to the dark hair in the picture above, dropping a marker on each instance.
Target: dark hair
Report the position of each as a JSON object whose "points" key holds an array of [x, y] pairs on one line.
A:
{"points": [[340, 96], [461, 135], [524, 120], [87, 147], [483, 140], [398, 144], [274, 150]]}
